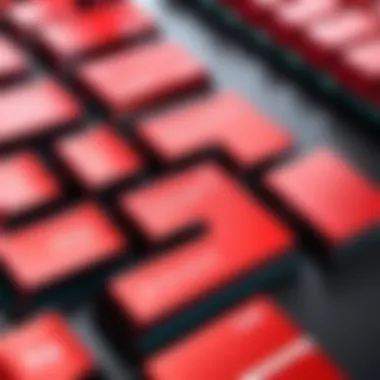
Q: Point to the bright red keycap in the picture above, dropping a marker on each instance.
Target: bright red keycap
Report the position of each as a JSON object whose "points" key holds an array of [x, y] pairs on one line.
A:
{"points": [[332, 196], [44, 348], [60, 247], [328, 39], [26, 184], [13, 62], [95, 29], [224, 121], [36, 108], [131, 80], [225, 252], [28, 17], [253, 342], [98, 157]]}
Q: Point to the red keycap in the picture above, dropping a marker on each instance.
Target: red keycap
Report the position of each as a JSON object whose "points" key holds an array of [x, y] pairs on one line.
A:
{"points": [[333, 197], [37, 108], [26, 184], [44, 348], [258, 12], [13, 63], [253, 342], [28, 17], [95, 30], [225, 122], [360, 70], [99, 158], [326, 40], [132, 80], [290, 19], [225, 252], [60, 247]]}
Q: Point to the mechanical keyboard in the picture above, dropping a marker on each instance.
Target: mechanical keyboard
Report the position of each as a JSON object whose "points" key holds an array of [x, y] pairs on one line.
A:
{"points": [[171, 208]]}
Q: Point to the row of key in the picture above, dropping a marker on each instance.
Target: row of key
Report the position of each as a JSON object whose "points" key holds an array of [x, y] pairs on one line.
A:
{"points": [[111, 54]]}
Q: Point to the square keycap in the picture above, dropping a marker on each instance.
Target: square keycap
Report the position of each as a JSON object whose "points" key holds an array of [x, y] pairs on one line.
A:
{"points": [[26, 184], [34, 109], [338, 201], [98, 157], [131, 80], [44, 348]]}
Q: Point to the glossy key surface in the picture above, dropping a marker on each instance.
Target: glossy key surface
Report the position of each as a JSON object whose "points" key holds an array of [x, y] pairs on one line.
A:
{"points": [[240, 237], [335, 198], [131, 80], [26, 184], [98, 157], [34, 109], [44, 348], [224, 121], [97, 29], [60, 247], [256, 341]]}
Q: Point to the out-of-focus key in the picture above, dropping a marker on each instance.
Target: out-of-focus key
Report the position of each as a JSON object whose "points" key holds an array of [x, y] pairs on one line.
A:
{"points": [[26, 185], [99, 158], [58, 249], [254, 342], [44, 348], [360, 70], [13, 62], [224, 122], [291, 18], [325, 41], [243, 248], [132, 80], [35, 109], [27, 17], [96, 30], [324, 191]]}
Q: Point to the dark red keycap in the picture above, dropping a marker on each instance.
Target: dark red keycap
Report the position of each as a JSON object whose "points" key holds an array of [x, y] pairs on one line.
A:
{"points": [[224, 121], [13, 62], [26, 184], [290, 19], [226, 251], [95, 30], [34, 109], [333, 197], [60, 247], [256, 341], [325, 41], [99, 158], [360, 70], [131, 80], [44, 348]]}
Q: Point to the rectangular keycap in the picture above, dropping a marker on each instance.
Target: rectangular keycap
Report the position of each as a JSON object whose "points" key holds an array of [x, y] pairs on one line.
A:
{"points": [[132, 80], [224, 122], [59, 248], [257, 341]]}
